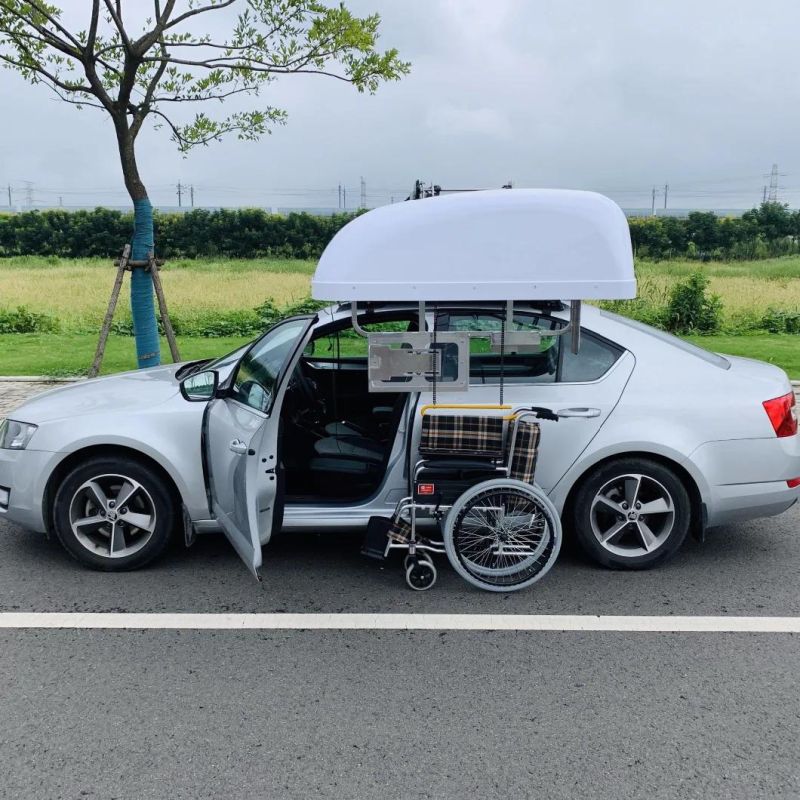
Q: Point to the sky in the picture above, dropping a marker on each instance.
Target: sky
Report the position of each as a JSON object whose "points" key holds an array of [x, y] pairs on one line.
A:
{"points": [[617, 96]]}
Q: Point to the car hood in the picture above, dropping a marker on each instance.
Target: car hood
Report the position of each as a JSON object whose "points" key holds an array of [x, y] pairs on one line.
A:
{"points": [[127, 390]]}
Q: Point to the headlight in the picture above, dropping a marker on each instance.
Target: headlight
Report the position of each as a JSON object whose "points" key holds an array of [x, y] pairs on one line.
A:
{"points": [[15, 435]]}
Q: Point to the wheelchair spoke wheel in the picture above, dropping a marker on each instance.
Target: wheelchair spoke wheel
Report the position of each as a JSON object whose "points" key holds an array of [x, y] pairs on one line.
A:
{"points": [[502, 535]]}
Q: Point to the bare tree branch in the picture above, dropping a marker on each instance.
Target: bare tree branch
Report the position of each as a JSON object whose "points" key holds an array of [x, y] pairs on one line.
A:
{"points": [[58, 44], [92, 34], [116, 15], [67, 87], [53, 21], [199, 10]]}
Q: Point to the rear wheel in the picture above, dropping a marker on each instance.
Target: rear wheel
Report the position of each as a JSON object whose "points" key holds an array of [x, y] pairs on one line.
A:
{"points": [[631, 513], [114, 514]]}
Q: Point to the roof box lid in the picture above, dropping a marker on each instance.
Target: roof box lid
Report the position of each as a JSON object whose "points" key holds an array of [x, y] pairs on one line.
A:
{"points": [[506, 244]]}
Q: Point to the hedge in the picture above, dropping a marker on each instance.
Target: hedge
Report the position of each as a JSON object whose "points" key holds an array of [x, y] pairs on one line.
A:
{"points": [[229, 233], [772, 229]]}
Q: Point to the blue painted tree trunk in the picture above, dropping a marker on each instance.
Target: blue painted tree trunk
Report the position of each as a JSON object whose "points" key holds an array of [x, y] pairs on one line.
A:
{"points": [[145, 327]]}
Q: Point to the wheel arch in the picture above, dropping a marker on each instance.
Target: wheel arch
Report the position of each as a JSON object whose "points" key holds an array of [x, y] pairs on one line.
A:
{"points": [[64, 466], [697, 506]]}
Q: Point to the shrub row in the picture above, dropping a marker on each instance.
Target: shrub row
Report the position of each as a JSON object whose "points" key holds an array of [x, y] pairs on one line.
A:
{"points": [[229, 233], [690, 309], [772, 229]]}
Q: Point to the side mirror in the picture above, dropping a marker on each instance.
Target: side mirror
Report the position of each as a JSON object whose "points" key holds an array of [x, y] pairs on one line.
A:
{"points": [[200, 387]]}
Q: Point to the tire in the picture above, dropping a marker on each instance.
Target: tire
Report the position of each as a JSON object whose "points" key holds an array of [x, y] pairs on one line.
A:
{"points": [[474, 538], [101, 533], [613, 531]]}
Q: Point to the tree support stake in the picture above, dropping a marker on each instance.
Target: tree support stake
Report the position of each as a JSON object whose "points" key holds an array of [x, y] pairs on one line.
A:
{"points": [[125, 264]]}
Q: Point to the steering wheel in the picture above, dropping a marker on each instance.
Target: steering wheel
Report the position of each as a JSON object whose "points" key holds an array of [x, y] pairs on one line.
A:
{"points": [[308, 389]]}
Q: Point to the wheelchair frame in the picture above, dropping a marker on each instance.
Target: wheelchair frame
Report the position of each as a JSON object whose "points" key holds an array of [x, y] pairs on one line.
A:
{"points": [[421, 574]]}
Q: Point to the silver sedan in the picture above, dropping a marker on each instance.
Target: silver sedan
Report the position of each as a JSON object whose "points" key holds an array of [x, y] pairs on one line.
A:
{"points": [[657, 438]]}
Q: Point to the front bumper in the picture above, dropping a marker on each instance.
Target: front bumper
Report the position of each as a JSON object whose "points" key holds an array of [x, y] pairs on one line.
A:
{"points": [[746, 478], [24, 473]]}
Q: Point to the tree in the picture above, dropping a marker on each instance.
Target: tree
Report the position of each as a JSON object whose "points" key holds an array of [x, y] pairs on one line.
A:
{"points": [[149, 68]]}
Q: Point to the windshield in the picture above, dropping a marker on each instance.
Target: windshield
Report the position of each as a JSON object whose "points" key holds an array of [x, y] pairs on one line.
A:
{"points": [[229, 359]]}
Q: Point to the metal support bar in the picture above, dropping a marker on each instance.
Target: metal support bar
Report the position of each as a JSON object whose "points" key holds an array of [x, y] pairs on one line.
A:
{"points": [[354, 317]]}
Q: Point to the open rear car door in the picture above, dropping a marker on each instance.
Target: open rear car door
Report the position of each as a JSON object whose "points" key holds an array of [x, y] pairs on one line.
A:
{"points": [[241, 434]]}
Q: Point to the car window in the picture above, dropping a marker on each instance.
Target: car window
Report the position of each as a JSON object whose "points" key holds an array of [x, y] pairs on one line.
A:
{"points": [[712, 358], [539, 366], [594, 358], [346, 343], [257, 377]]}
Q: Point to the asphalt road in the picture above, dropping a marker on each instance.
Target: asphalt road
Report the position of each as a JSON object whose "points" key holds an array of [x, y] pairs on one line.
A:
{"points": [[385, 714]]}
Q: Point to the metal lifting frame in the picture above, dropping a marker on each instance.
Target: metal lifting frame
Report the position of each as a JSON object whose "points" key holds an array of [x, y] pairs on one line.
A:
{"points": [[573, 327]]}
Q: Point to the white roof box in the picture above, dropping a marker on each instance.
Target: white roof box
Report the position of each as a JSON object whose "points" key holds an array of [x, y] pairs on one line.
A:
{"points": [[508, 244]]}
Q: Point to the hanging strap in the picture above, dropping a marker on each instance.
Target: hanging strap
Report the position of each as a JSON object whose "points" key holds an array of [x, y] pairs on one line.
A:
{"points": [[502, 353], [433, 351]]}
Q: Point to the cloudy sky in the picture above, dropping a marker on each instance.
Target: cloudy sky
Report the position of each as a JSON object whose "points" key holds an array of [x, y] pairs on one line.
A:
{"points": [[612, 95]]}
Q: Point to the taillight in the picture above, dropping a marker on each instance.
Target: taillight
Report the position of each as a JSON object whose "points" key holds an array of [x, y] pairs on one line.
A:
{"points": [[793, 483], [782, 414]]}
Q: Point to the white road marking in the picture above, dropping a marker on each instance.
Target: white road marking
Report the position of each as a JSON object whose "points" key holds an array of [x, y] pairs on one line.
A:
{"points": [[404, 622]]}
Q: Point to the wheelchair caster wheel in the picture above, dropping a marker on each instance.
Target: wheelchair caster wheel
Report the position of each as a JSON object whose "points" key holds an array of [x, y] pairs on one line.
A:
{"points": [[420, 556], [420, 574]]}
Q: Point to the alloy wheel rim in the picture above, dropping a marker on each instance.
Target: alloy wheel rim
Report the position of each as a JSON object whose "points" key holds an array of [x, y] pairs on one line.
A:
{"points": [[632, 515], [112, 516]]}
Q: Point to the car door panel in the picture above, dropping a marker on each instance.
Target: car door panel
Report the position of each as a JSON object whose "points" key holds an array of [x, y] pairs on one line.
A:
{"points": [[587, 404], [241, 444]]}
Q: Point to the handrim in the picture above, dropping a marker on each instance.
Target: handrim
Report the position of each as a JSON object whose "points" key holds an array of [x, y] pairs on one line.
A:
{"points": [[503, 537]]}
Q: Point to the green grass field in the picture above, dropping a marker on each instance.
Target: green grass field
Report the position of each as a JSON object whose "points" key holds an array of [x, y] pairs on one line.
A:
{"points": [[76, 292], [61, 354]]}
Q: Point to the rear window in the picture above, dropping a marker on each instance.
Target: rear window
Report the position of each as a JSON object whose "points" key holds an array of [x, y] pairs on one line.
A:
{"points": [[554, 361], [485, 364], [687, 347]]}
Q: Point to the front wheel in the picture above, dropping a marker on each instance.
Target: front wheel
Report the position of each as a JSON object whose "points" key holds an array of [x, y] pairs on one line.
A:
{"points": [[631, 513], [502, 535], [113, 514]]}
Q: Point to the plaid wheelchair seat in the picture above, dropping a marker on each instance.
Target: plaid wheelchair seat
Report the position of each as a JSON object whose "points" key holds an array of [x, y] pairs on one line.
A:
{"points": [[462, 436]]}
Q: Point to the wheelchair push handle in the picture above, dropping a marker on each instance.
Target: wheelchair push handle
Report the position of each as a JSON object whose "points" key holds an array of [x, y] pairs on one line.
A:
{"points": [[540, 412]]}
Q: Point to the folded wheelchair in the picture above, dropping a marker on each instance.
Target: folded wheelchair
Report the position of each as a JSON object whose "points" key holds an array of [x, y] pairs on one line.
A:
{"points": [[475, 482]]}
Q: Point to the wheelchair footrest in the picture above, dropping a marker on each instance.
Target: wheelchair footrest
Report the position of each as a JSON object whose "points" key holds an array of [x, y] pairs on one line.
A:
{"points": [[376, 539]]}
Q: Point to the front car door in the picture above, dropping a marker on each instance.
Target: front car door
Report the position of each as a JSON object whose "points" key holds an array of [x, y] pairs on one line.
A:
{"points": [[241, 433]]}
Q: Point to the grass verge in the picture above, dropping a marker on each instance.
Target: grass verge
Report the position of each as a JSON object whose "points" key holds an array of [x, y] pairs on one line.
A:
{"points": [[63, 354], [780, 349]]}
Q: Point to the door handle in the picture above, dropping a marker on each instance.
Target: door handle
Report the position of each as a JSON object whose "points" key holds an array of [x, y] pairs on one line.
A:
{"points": [[238, 447], [582, 413]]}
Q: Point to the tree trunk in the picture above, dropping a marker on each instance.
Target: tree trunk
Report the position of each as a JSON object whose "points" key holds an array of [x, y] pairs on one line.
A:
{"points": [[145, 326]]}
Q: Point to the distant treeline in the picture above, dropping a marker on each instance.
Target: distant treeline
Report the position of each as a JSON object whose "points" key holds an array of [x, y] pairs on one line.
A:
{"points": [[770, 230]]}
